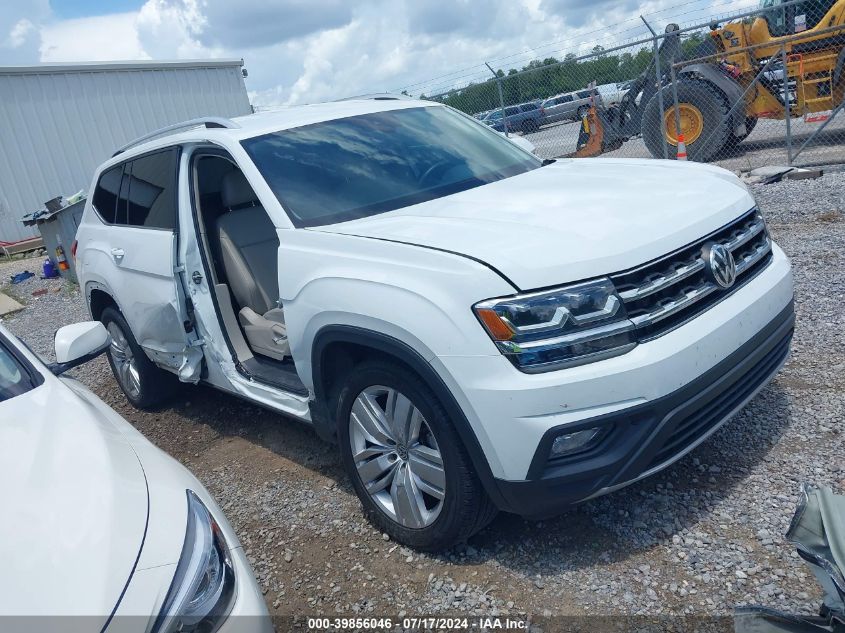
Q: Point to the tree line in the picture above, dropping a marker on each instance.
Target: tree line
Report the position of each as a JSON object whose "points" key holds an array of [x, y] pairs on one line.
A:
{"points": [[551, 76]]}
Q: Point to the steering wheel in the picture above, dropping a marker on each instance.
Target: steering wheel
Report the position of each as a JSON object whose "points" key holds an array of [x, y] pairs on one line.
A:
{"points": [[431, 170]]}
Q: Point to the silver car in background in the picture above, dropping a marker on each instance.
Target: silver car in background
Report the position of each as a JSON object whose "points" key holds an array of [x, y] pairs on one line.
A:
{"points": [[571, 105]]}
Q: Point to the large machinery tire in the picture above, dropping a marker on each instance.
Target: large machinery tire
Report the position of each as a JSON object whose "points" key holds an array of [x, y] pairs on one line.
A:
{"points": [[703, 108], [750, 122]]}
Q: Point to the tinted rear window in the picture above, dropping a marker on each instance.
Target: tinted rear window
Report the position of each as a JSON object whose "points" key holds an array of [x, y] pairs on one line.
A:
{"points": [[105, 194], [363, 165], [140, 192], [151, 197]]}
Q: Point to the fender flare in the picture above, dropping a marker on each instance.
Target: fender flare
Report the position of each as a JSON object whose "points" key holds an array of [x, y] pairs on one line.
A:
{"points": [[96, 285], [728, 87], [385, 344]]}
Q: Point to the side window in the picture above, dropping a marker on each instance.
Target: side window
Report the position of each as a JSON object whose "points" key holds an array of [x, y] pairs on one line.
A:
{"points": [[584, 94], [105, 194], [565, 99], [511, 111], [529, 106], [151, 192]]}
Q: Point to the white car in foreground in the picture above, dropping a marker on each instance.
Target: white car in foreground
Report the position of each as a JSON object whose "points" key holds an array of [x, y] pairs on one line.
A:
{"points": [[97, 521]]}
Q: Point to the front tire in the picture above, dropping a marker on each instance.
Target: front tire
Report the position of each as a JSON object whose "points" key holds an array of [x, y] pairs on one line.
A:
{"points": [[702, 107], [406, 461], [143, 384]]}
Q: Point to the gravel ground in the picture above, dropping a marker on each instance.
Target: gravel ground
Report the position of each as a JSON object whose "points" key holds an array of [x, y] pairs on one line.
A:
{"points": [[698, 538]]}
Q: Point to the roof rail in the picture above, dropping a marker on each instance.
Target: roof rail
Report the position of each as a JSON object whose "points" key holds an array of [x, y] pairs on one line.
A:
{"points": [[208, 121], [378, 96]]}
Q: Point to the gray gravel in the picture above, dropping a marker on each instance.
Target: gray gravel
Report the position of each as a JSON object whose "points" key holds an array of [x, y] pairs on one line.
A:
{"points": [[701, 537]]}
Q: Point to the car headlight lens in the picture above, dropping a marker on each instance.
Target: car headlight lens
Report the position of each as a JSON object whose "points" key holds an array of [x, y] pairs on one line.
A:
{"points": [[203, 588], [558, 328]]}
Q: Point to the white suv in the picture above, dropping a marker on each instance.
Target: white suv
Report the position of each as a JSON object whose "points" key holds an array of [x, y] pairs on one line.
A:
{"points": [[478, 329]]}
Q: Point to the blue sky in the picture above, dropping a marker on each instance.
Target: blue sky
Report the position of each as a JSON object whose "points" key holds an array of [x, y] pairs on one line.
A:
{"points": [[68, 9]]}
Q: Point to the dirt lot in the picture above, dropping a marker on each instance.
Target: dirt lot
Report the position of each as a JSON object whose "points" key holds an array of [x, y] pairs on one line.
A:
{"points": [[698, 538]]}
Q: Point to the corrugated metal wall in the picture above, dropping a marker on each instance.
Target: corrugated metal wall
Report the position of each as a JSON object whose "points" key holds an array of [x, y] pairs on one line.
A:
{"points": [[58, 123]]}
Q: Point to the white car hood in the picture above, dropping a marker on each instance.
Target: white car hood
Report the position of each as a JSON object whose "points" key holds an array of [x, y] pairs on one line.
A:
{"points": [[73, 503], [571, 220]]}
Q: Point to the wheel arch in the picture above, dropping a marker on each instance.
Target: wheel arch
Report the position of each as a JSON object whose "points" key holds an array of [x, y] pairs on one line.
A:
{"points": [[98, 299], [338, 348], [731, 90]]}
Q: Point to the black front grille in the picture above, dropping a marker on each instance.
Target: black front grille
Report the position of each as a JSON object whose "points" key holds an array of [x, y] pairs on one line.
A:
{"points": [[696, 425], [663, 294]]}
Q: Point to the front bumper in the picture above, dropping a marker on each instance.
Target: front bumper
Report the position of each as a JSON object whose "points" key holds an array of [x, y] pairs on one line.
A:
{"points": [[649, 437]]}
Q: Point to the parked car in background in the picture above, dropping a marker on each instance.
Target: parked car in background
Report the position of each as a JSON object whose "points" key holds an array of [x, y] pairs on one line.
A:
{"points": [[524, 117], [572, 106], [97, 521], [478, 329], [611, 94]]}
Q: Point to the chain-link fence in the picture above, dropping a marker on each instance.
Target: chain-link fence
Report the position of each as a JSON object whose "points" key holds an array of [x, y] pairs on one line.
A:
{"points": [[763, 87]]}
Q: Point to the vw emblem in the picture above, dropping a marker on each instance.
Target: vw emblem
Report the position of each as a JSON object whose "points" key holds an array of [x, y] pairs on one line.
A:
{"points": [[720, 264]]}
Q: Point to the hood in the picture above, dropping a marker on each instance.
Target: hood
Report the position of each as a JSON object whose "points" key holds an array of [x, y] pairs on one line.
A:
{"points": [[74, 506], [571, 220]]}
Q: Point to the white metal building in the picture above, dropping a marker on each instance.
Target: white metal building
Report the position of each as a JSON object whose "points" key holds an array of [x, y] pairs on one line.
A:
{"points": [[59, 121]]}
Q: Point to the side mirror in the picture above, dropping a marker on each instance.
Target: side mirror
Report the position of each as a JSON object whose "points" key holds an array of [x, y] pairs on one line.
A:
{"points": [[78, 343]]}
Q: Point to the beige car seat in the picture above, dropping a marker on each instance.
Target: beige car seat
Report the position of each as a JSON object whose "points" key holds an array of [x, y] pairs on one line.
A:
{"points": [[248, 252]]}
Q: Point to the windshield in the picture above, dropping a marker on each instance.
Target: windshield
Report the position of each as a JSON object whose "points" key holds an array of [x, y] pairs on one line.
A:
{"points": [[364, 165], [14, 377], [775, 17]]}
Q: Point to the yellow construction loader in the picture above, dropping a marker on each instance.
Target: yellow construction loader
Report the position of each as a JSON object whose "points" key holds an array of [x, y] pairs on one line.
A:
{"points": [[785, 62]]}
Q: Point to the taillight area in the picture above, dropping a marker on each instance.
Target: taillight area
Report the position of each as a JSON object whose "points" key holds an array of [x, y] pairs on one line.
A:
{"points": [[73, 249]]}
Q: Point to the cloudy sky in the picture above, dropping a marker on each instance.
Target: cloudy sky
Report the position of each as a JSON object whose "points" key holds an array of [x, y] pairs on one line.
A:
{"points": [[312, 50]]}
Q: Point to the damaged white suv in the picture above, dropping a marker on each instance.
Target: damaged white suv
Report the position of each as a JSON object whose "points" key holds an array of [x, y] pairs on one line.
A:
{"points": [[477, 328]]}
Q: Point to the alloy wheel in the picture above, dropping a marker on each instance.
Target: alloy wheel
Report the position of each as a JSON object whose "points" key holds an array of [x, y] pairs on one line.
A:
{"points": [[397, 457], [125, 363]]}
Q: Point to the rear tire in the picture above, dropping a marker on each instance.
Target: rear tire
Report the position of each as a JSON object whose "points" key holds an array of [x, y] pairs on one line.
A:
{"points": [[143, 384], [700, 98], [450, 502], [529, 126]]}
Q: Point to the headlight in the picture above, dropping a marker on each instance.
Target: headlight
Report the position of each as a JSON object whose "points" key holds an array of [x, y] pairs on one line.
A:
{"points": [[203, 588], [559, 328]]}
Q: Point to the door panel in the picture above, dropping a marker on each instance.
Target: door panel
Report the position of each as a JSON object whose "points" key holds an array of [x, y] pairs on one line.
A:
{"points": [[138, 263]]}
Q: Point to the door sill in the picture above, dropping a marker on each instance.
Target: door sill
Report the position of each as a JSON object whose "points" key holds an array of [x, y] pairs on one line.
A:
{"points": [[275, 373]]}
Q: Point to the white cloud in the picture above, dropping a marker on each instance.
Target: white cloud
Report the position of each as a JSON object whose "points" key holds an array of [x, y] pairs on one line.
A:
{"points": [[169, 30], [20, 38], [99, 38], [305, 50], [22, 29]]}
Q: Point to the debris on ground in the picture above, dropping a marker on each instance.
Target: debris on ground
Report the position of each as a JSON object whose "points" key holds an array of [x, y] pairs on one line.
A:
{"points": [[774, 173], [8, 305], [19, 278]]}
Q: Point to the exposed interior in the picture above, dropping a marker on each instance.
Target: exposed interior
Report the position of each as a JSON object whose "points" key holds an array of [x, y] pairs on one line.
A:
{"points": [[241, 245]]}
